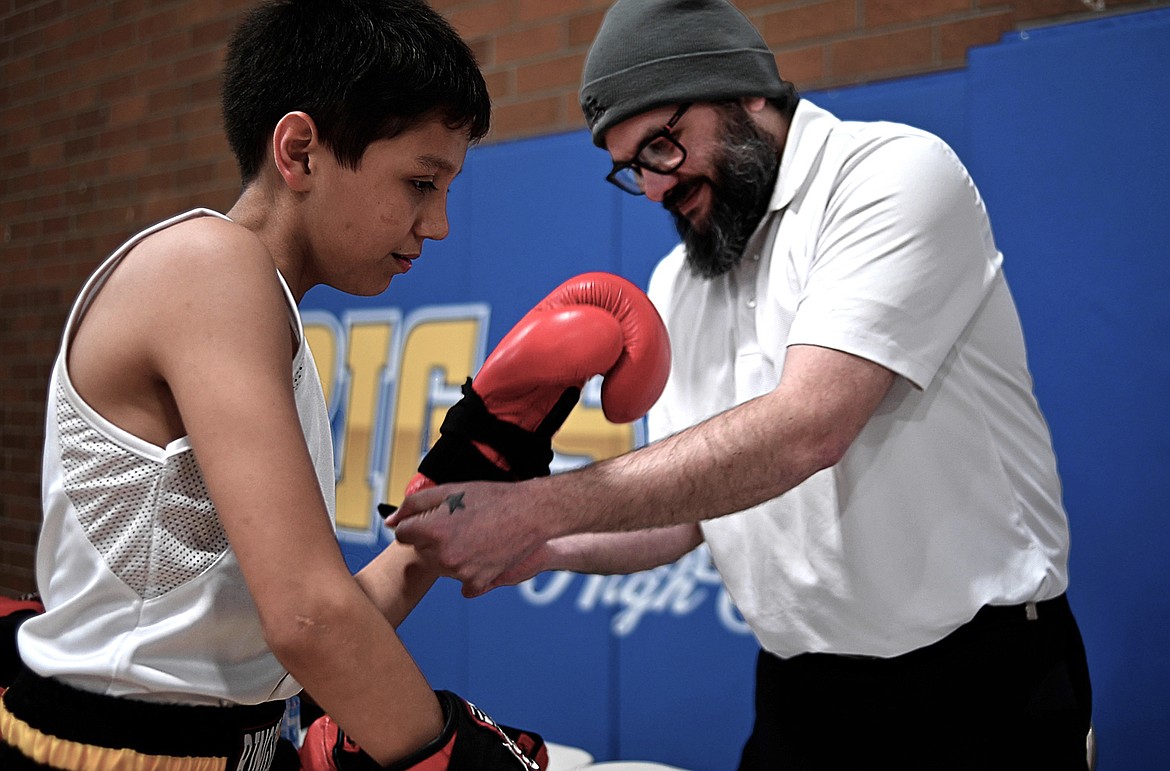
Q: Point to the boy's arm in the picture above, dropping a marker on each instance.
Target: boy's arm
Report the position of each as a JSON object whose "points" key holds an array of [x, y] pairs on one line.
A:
{"points": [[396, 580], [223, 347]]}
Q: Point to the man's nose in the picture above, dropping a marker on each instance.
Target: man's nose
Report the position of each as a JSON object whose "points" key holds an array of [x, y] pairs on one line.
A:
{"points": [[656, 185]]}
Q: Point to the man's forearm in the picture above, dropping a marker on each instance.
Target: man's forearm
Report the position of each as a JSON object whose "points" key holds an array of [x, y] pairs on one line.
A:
{"points": [[729, 463], [619, 553], [737, 459], [486, 534]]}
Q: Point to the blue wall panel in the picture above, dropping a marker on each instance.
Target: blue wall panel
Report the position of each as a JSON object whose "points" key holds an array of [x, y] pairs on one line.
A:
{"points": [[1065, 131], [533, 223], [1073, 153], [542, 667]]}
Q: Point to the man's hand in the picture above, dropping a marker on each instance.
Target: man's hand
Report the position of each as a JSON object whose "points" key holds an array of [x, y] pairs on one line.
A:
{"points": [[450, 526]]}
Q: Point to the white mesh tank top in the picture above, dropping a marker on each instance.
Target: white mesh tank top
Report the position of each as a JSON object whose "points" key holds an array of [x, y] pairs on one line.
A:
{"points": [[143, 595]]}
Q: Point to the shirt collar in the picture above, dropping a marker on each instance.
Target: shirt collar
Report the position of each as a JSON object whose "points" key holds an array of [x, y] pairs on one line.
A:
{"points": [[807, 135]]}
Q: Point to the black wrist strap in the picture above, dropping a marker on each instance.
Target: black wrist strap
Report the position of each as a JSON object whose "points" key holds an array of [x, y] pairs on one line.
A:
{"points": [[455, 459]]}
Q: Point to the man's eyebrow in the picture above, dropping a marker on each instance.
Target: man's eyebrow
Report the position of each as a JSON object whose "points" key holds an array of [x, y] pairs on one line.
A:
{"points": [[651, 134]]}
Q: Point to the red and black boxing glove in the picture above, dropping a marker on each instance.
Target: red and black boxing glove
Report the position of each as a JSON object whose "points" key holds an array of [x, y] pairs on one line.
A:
{"points": [[13, 613], [502, 429], [469, 741]]}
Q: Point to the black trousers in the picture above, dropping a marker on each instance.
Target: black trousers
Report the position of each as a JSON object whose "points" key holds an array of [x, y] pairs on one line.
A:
{"points": [[1008, 690]]}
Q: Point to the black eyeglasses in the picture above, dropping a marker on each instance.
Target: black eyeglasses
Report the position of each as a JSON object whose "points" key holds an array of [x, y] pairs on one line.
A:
{"points": [[660, 154]]}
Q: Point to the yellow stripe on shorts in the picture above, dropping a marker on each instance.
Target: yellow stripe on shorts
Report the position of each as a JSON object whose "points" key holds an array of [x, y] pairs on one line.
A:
{"points": [[75, 756]]}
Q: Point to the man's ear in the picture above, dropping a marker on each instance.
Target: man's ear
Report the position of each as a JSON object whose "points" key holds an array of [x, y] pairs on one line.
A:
{"points": [[294, 145], [753, 103]]}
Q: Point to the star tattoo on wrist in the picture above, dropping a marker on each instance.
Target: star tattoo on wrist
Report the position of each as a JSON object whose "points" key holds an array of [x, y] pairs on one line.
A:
{"points": [[455, 501]]}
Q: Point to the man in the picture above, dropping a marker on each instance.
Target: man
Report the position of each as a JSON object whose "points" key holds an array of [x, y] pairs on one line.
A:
{"points": [[848, 421], [188, 566]]}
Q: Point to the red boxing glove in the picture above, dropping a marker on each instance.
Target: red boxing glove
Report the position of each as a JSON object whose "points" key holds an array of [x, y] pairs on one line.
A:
{"points": [[469, 741], [502, 429], [327, 748]]}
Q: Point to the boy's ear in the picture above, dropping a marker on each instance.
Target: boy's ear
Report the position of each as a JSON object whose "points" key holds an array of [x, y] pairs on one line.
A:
{"points": [[294, 143]]}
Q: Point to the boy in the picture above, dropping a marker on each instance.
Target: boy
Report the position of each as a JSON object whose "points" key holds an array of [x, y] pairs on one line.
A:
{"points": [[187, 562]]}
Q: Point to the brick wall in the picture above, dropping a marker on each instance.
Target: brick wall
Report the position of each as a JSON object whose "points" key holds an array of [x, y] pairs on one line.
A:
{"points": [[109, 122]]}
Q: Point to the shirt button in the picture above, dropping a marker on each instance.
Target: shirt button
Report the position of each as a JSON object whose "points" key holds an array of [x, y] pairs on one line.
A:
{"points": [[751, 303]]}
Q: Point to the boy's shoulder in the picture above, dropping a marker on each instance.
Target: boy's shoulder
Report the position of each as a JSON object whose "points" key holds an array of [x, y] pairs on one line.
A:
{"points": [[192, 249], [193, 266], [203, 236]]}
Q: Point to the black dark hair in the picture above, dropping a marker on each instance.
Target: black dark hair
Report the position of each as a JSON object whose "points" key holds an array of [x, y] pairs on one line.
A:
{"points": [[363, 70]]}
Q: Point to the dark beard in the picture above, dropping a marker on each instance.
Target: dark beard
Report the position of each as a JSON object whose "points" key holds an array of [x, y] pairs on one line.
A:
{"points": [[745, 175]]}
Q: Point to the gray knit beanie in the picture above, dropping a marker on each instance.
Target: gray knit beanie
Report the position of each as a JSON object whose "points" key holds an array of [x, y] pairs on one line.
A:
{"points": [[650, 53]]}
